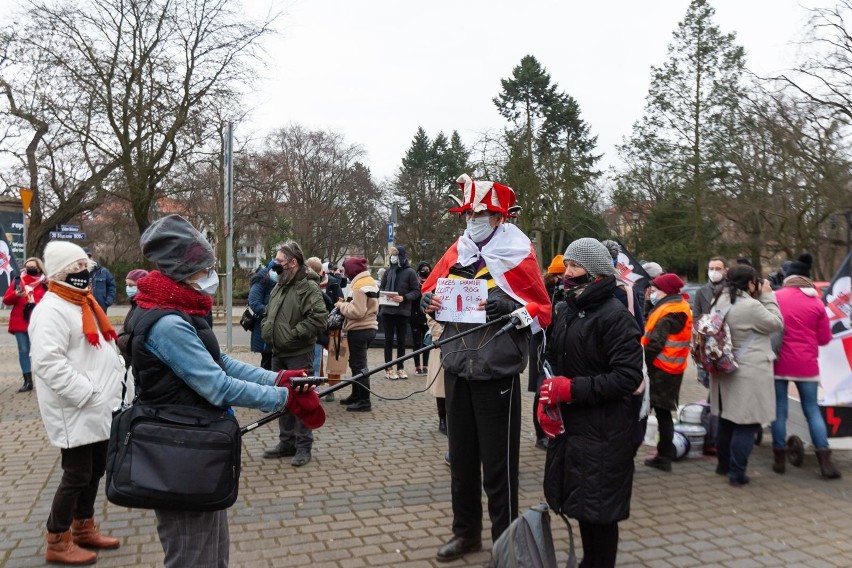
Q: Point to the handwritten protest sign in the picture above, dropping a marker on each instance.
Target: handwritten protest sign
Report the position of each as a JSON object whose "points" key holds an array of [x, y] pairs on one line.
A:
{"points": [[460, 300]]}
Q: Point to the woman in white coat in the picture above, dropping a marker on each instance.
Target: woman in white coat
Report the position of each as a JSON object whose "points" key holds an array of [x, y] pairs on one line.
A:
{"points": [[77, 372], [745, 399]]}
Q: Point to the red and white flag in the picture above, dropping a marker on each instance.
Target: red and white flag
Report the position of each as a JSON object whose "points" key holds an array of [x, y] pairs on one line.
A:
{"points": [[511, 261], [835, 359]]}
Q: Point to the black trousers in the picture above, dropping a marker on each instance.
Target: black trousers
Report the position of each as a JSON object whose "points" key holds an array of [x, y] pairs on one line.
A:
{"points": [[82, 469], [484, 431], [418, 332], [600, 545], [359, 341], [266, 360], [396, 326], [665, 428]]}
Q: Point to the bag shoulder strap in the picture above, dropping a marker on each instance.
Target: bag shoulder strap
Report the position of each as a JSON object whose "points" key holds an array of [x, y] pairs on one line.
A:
{"points": [[572, 554]]}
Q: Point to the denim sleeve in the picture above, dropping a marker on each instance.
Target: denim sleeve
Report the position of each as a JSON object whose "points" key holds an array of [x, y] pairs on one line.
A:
{"points": [[247, 372], [174, 342]]}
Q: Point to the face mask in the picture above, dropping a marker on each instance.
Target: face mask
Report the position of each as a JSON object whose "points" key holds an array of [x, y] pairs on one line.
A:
{"points": [[424, 275], [653, 299], [569, 282], [715, 276], [32, 271], [273, 276], [131, 291], [394, 259], [79, 279], [207, 284], [479, 228]]}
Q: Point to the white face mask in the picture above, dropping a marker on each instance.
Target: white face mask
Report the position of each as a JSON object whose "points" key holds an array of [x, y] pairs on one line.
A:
{"points": [[715, 276], [394, 259], [207, 284], [479, 228]]}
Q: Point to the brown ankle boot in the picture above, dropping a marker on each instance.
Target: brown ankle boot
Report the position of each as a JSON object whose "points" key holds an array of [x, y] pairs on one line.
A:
{"points": [[62, 550], [825, 466], [86, 533], [780, 463]]}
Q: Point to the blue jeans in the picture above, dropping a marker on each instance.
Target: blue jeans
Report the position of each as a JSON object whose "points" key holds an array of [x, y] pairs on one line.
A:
{"points": [[733, 447], [810, 408], [23, 339]]}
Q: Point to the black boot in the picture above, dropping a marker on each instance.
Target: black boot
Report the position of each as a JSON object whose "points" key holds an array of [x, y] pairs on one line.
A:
{"points": [[826, 467], [779, 461], [28, 383], [442, 425], [362, 404], [351, 398]]}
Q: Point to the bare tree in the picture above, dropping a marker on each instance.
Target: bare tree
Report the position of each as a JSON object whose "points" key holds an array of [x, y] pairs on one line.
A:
{"points": [[127, 86], [826, 77]]}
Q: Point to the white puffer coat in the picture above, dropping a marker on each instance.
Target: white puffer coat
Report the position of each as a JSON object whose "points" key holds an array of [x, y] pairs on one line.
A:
{"points": [[78, 384]]}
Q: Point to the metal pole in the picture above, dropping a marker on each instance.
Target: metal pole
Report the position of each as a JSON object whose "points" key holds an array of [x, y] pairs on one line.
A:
{"points": [[229, 236]]}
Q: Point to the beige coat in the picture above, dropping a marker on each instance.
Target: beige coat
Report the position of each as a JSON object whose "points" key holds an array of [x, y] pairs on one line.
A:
{"points": [[435, 367], [747, 396]]}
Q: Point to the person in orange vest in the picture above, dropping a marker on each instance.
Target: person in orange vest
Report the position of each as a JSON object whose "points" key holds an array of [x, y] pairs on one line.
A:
{"points": [[668, 331]]}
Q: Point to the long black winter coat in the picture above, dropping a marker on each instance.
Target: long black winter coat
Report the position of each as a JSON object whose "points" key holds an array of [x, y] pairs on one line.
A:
{"points": [[594, 341]]}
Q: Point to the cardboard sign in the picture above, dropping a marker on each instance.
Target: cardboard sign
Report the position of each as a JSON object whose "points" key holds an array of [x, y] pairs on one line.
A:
{"points": [[460, 300]]}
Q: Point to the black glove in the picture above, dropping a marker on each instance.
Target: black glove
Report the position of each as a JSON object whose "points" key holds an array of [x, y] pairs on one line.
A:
{"points": [[495, 309], [425, 300]]}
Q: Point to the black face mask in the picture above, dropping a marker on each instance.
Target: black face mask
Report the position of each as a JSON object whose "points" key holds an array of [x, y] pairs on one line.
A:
{"points": [[569, 283], [424, 275], [32, 271], [79, 279]]}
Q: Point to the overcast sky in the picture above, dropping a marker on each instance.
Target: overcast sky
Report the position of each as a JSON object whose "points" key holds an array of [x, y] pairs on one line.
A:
{"points": [[375, 70]]}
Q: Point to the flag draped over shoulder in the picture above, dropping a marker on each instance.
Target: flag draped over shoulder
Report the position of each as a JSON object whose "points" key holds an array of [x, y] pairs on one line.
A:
{"points": [[8, 263], [835, 359], [511, 261]]}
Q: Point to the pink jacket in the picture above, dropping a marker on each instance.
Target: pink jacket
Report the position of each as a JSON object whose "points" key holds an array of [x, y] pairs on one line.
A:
{"points": [[805, 329]]}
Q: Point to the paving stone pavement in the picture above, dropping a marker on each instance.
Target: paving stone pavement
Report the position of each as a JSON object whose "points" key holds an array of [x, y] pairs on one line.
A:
{"points": [[377, 494]]}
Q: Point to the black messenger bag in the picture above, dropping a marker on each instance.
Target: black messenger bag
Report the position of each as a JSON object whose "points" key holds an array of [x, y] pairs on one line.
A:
{"points": [[173, 457]]}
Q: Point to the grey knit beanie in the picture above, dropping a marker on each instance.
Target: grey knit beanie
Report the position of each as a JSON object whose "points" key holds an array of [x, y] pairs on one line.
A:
{"points": [[592, 255], [176, 247]]}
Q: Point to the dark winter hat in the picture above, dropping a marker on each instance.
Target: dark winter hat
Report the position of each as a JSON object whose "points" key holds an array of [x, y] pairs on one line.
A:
{"points": [[136, 274], [176, 247], [354, 265], [613, 247], [592, 255], [801, 266], [668, 283]]}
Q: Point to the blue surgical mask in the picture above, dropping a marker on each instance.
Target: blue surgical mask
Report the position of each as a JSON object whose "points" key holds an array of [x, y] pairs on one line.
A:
{"points": [[131, 291], [207, 284], [273, 276], [479, 228], [653, 299]]}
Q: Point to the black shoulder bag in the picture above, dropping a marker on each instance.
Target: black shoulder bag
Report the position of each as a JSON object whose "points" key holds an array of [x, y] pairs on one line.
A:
{"points": [[176, 457]]}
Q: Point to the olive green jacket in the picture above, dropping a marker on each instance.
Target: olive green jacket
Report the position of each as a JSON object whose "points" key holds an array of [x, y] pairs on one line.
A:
{"points": [[295, 316]]}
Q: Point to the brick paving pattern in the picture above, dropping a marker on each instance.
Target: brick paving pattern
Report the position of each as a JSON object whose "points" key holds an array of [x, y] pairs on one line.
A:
{"points": [[377, 494]]}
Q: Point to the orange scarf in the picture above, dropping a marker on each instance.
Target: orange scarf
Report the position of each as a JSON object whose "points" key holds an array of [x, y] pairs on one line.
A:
{"points": [[91, 312]]}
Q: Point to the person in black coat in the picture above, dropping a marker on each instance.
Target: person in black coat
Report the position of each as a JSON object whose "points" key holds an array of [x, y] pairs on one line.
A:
{"points": [[418, 323], [401, 279], [262, 282], [586, 410]]}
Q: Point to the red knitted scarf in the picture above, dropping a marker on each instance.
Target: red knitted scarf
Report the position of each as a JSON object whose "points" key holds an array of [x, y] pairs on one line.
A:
{"points": [[160, 292]]}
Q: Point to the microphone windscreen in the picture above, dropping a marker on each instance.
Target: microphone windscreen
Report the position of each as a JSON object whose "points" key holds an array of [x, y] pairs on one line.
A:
{"points": [[533, 309]]}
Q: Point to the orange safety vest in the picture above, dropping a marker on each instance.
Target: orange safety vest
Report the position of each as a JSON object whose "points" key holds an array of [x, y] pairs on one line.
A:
{"points": [[673, 358]]}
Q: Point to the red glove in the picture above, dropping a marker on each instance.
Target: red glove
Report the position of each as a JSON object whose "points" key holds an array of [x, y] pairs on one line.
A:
{"points": [[554, 391], [284, 376], [306, 407], [550, 419]]}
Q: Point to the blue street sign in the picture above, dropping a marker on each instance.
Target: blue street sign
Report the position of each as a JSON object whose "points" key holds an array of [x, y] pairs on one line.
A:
{"points": [[67, 235], [390, 232]]}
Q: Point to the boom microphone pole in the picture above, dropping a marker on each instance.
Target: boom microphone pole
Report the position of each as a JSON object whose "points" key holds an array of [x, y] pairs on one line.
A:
{"points": [[520, 318]]}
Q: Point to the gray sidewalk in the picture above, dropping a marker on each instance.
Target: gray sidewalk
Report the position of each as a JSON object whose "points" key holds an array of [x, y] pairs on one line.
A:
{"points": [[377, 494]]}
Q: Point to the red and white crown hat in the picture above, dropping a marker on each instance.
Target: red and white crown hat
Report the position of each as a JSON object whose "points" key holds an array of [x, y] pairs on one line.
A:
{"points": [[484, 195]]}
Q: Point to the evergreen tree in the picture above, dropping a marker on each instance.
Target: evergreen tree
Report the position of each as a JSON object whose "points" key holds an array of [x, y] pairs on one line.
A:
{"points": [[677, 141], [551, 160]]}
